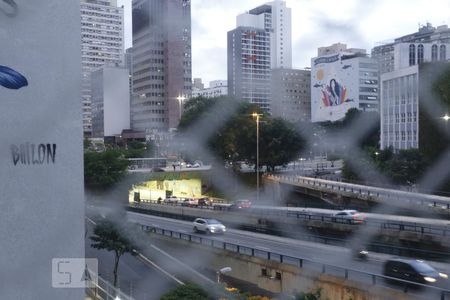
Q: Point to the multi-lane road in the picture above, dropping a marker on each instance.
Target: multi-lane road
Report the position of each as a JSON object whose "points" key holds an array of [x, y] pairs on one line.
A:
{"points": [[318, 253]]}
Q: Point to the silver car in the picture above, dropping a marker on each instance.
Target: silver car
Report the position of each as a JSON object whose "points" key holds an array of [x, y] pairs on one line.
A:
{"points": [[208, 226]]}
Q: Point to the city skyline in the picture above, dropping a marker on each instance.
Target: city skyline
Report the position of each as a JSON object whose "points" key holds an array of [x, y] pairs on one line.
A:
{"points": [[376, 22]]}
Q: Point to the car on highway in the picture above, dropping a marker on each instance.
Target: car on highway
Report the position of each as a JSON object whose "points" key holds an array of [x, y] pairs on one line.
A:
{"points": [[172, 200], [239, 204], [205, 201], [413, 270], [350, 216], [190, 202], [208, 226]]}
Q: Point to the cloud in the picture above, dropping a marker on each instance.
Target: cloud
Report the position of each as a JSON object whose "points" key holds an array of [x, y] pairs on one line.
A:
{"points": [[359, 24]]}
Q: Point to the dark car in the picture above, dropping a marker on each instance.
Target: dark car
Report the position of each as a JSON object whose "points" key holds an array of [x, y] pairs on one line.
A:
{"points": [[204, 202], [239, 204], [412, 270]]}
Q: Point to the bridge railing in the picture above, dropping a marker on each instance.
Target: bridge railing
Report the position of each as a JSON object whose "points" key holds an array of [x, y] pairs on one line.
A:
{"points": [[102, 289], [367, 191], [432, 292]]}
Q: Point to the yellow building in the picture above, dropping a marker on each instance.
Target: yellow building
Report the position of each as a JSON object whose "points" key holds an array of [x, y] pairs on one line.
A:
{"points": [[179, 185]]}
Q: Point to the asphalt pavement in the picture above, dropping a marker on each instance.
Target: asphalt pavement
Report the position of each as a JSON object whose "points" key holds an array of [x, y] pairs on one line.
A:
{"points": [[315, 255]]}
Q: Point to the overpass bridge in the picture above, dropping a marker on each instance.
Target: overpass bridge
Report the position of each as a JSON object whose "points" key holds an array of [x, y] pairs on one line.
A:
{"points": [[365, 193], [283, 265]]}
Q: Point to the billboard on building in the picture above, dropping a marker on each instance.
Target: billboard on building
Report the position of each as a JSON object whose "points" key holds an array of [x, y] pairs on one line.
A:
{"points": [[334, 87]]}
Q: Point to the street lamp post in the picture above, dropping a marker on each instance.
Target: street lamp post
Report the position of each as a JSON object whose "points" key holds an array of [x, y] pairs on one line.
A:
{"points": [[256, 115]]}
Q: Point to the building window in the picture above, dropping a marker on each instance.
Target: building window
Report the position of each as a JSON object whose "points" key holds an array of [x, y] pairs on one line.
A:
{"points": [[434, 53], [442, 50], [412, 55], [420, 54], [264, 272]]}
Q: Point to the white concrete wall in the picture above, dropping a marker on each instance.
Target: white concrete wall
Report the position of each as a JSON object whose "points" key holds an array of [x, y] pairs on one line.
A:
{"points": [[248, 20], [42, 201]]}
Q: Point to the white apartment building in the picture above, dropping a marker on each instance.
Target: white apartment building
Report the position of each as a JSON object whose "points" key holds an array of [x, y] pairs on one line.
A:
{"points": [[102, 43], [399, 105], [216, 88], [275, 18]]}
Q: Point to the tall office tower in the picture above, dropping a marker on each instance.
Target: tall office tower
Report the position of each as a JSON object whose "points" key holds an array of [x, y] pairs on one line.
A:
{"points": [[384, 53], [249, 65], [161, 63], [275, 18], [291, 94], [260, 42], [102, 43], [340, 81]]}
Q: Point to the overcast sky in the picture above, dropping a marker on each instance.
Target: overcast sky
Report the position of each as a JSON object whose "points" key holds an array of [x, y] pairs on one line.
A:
{"points": [[315, 23]]}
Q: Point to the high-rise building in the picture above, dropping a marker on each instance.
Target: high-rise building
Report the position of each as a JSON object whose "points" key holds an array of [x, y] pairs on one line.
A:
{"points": [[275, 18], [161, 63], [261, 41], [340, 81], [384, 53], [102, 43], [291, 94], [110, 101], [249, 65], [400, 104]]}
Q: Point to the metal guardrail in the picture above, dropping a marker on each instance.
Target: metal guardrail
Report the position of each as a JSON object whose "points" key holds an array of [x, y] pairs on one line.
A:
{"points": [[104, 290], [334, 270], [366, 191], [311, 216], [327, 240]]}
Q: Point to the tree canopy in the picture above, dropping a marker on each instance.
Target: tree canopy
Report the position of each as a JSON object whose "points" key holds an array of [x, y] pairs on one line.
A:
{"points": [[187, 291], [234, 139], [103, 169], [109, 237]]}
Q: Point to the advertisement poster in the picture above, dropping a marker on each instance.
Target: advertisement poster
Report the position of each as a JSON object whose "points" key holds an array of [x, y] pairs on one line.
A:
{"points": [[334, 86], [41, 178]]}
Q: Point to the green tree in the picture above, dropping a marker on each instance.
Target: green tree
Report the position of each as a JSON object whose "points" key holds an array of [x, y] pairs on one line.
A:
{"points": [[136, 149], [103, 169], [187, 291], [235, 137], [406, 167], [280, 143], [109, 237]]}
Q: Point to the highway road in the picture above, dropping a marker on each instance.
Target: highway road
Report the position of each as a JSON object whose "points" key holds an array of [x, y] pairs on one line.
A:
{"points": [[434, 226], [333, 255], [369, 216]]}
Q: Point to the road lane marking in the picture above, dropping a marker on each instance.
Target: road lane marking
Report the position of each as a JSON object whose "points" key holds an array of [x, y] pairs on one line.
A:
{"points": [[148, 261], [183, 264]]}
